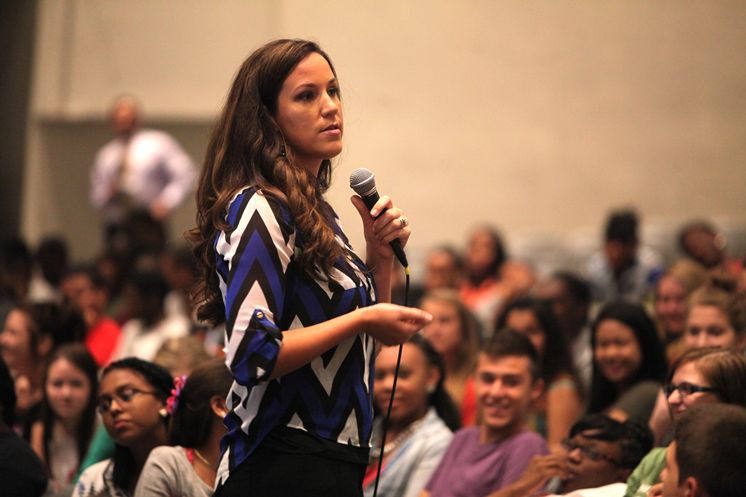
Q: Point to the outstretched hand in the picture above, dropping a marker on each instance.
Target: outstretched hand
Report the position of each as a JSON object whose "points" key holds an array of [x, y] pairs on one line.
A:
{"points": [[393, 324]]}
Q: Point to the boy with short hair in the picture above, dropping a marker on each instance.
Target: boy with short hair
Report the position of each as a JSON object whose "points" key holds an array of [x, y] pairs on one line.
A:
{"points": [[484, 458]]}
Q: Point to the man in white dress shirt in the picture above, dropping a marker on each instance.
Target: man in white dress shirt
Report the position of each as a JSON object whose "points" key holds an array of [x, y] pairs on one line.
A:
{"points": [[140, 169]]}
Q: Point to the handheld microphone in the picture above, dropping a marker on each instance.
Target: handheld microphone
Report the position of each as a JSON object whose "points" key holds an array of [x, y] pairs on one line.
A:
{"points": [[363, 182]]}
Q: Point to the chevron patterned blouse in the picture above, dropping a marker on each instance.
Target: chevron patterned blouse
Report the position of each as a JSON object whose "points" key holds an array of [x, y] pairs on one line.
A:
{"points": [[265, 293]]}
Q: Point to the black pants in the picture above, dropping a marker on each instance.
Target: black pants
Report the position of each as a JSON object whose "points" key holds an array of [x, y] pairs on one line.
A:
{"points": [[271, 473]]}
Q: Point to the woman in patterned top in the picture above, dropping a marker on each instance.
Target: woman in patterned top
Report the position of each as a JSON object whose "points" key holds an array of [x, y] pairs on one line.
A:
{"points": [[302, 311]]}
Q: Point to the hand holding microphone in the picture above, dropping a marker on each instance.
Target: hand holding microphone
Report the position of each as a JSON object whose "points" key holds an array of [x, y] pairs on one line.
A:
{"points": [[385, 225]]}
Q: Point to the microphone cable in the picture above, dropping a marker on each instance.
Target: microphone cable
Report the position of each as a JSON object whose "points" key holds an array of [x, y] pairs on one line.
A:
{"points": [[393, 389]]}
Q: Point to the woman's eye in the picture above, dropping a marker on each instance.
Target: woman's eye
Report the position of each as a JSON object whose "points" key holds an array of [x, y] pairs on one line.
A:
{"points": [[333, 92], [305, 96], [126, 394]]}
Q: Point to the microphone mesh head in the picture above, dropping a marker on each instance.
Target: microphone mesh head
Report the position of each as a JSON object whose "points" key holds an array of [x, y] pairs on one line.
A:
{"points": [[362, 181]]}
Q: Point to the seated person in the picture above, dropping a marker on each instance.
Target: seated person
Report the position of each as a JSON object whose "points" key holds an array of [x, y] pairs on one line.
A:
{"points": [[197, 408], [600, 454], [453, 334], [149, 326], [670, 303], [21, 472], [85, 290], [561, 404], [701, 376], [624, 269], [628, 362], [484, 458], [715, 318], [419, 424], [707, 454]]}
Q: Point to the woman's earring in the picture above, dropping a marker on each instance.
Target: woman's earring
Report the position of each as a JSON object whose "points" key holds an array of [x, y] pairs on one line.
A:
{"points": [[162, 412], [282, 152], [430, 389]]}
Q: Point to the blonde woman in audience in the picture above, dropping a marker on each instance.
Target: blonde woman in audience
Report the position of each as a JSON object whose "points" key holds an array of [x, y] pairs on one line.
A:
{"points": [[197, 407], [716, 318], [68, 414], [132, 402], [421, 421], [672, 291], [453, 334], [561, 403]]}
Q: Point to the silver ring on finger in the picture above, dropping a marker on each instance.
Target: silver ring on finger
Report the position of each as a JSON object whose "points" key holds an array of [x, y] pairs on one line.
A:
{"points": [[403, 222]]}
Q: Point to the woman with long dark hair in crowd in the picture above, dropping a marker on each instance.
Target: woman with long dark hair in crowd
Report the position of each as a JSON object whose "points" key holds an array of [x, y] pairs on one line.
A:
{"points": [[197, 407], [561, 403], [421, 422], [628, 362], [68, 413], [296, 300], [132, 402]]}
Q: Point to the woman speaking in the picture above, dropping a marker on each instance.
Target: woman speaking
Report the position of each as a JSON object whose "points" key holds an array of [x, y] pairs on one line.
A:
{"points": [[302, 311]]}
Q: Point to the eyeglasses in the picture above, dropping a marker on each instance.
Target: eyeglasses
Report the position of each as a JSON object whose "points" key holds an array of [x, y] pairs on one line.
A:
{"points": [[589, 452], [123, 395], [685, 389]]}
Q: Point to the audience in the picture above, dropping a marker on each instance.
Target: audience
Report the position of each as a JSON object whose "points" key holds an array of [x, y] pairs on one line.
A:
{"points": [[197, 408], [623, 269], [482, 459], [17, 263], [51, 259], [600, 452], [68, 414], [560, 404], [178, 266], [570, 296], [85, 290], [420, 423], [707, 455], [30, 334], [521, 396], [700, 376], [671, 294], [453, 333], [132, 403], [149, 327], [490, 279], [716, 318], [21, 472], [701, 242], [628, 362], [444, 268]]}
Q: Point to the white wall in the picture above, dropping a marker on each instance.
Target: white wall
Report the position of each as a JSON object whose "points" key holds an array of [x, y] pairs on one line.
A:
{"points": [[537, 116]]}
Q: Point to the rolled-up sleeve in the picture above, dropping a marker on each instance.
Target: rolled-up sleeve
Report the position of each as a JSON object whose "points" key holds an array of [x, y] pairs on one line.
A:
{"points": [[253, 257]]}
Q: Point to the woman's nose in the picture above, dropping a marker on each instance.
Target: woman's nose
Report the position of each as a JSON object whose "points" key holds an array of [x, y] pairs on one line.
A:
{"points": [[329, 106]]}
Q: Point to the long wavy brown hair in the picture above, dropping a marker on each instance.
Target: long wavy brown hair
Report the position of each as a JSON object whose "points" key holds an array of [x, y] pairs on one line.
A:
{"points": [[247, 148]]}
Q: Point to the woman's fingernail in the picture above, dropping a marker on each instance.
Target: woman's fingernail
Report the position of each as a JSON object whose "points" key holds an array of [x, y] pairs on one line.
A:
{"points": [[374, 212]]}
